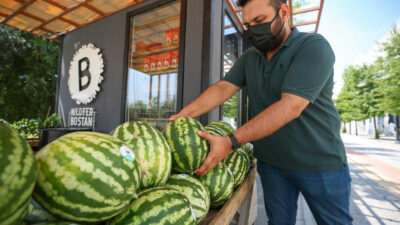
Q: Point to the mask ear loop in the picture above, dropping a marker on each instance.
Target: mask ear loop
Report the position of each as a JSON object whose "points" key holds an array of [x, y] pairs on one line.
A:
{"points": [[283, 24]]}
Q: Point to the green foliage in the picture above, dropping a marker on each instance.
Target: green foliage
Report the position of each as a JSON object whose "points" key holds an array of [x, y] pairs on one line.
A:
{"points": [[51, 122], [229, 108], [27, 128], [373, 90], [390, 67], [27, 74]]}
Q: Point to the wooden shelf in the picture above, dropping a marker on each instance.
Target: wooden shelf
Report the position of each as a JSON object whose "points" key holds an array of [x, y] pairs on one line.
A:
{"points": [[162, 49], [151, 73]]}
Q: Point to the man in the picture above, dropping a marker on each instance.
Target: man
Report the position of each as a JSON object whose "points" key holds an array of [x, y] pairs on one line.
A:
{"points": [[294, 124]]}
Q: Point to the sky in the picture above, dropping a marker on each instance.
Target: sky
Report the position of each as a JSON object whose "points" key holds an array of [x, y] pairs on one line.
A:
{"points": [[354, 27]]}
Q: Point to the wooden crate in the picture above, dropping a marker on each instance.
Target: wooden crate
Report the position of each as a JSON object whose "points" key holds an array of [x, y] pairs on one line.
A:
{"points": [[243, 199]]}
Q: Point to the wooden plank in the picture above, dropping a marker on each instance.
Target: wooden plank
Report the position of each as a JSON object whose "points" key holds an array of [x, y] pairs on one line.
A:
{"points": [[68, 21], [16, 12], [225, 215], [60, 15], [94, 9], [305, 23], [56, 4], [306, 10], [319, 15], [232, 8], [33, 17], [248, 209]]}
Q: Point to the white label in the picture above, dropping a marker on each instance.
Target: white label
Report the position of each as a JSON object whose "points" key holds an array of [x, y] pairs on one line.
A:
{"points": [[230, 172], [194, 215], [127, 153], [182, 175]]}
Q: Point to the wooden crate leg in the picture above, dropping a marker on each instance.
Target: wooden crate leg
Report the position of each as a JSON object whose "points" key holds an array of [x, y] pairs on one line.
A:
{"points": [[248, 208]]}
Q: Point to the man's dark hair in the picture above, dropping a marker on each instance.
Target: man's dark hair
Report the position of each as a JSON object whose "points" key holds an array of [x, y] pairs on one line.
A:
{"points": [[275, 3]]}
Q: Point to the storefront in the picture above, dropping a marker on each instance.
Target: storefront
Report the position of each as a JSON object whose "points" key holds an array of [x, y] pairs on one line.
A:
{"points": [[157, 56], [139, 60]]}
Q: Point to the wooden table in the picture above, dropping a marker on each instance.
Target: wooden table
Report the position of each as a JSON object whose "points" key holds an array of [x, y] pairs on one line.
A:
{"points": [[243, 199]]}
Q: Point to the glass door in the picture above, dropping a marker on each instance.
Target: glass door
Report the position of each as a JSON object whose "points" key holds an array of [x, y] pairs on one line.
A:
{"points": [[153, 65], [232, 45]]}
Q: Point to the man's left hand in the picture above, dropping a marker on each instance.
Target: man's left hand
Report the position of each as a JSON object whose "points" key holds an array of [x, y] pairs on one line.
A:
{"points": [[220, 147]]}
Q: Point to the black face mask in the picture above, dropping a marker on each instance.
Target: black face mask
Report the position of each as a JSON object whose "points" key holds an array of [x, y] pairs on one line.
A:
{"points": [[261, 36]]}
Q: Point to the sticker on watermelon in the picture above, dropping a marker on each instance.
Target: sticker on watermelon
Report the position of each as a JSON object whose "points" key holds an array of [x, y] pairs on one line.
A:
{"points": [[194, 215], [182, 175], [127, 153]]}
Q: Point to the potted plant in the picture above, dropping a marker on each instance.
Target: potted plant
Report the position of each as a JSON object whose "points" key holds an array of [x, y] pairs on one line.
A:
{"points": [[51, 129], [27, 129]]}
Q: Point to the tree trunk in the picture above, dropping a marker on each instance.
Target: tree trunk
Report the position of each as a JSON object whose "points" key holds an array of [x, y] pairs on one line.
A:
{"points": [[397, 128], [356, 129], [376, 130], [350, 127]]}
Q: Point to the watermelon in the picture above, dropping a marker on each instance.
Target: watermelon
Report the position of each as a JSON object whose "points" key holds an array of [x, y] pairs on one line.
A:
{"points": [[238, 162], [188, 149], [158, 206], [18, 175], [248, 148], [86, 176], [151, 150], [220, 183], [194, 190], [224, 126], [215, 130], [36, 214], [57, 223]]}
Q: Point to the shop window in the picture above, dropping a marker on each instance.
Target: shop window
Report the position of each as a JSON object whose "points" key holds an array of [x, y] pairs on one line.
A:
{"points": [[231, 52], [153, 65]]}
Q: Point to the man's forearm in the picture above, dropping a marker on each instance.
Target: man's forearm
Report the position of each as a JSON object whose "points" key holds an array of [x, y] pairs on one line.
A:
{"points": [[214, 96], [270, 120]]}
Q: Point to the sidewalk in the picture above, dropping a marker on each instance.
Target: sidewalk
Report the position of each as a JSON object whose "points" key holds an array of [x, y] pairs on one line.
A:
{"points": [[375, 170]]}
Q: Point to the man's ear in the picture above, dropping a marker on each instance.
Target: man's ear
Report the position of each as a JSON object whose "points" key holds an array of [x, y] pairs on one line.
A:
{"points": [[285, 12]]}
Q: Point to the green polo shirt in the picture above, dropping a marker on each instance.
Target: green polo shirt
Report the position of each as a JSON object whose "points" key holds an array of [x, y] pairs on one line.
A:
{"points": [[303, 66]]}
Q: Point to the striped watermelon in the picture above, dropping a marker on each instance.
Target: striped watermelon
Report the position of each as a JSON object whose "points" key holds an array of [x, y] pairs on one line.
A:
{"points": [[215, 130], [56, 223], [158, 206], [238, 162], [188, 149], [86, 176], [18, 175], [36, 214], [194, 190], [224, 126], [151, 151], [248, 148], [220, 183]]}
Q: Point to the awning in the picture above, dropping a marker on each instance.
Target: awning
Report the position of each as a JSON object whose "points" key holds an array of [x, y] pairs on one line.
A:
{"points": [[52, 18]]}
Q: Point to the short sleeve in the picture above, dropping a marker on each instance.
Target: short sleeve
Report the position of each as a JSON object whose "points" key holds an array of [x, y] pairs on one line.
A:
{"points": [[309, 70], [236, 74]]}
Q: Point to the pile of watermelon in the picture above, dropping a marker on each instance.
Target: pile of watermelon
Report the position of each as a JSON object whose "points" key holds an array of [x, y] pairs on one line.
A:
{"points": [[134, 175]]}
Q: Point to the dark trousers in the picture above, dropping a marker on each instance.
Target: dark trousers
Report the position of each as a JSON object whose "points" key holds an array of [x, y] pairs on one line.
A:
{"points": [[327, 194]]}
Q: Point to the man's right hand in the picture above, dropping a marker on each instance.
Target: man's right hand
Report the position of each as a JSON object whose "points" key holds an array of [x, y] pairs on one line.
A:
{"points": [[176, 116]]}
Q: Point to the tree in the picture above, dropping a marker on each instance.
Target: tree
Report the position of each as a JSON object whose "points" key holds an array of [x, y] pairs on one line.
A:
{"points": [[27, 74], [370, 93], [390, 67], [349, 100]]}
